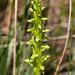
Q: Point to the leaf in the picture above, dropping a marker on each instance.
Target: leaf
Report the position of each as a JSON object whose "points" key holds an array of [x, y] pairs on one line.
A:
{"points": [[10, 51], [46, 30]]}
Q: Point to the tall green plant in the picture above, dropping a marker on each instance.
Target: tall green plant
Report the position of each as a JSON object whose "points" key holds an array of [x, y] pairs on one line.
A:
{"points": [[38, 56]]}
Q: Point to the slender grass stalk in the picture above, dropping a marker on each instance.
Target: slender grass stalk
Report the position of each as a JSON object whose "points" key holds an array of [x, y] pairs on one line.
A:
{"points": [[71, 37], [38, 56], [14, 55], [67, 38]]}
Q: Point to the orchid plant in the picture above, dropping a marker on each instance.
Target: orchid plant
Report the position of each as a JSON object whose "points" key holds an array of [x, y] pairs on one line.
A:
{"points": [[38, 36]]}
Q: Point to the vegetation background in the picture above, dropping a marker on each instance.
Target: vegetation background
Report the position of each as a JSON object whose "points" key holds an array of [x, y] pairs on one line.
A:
{"points": [[57, 12]]}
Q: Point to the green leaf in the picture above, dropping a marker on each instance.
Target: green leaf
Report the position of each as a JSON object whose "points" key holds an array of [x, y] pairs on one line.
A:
{"points": [[10, 50], [46, 30], [44, 19]]}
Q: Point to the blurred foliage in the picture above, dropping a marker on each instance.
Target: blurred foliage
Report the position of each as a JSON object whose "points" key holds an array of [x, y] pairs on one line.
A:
{"points": [[3, 4]]}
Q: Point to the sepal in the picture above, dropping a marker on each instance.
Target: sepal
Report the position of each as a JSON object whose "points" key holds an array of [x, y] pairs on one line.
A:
{"points": [[29, 30], [32, 2], [44, 19], [39, 26], [42, 8], [39, 0], [31, 10], [27, 60], [34, 56], [46, 30], [44, 47], [31, 20], [42, 67], [45, 57]]}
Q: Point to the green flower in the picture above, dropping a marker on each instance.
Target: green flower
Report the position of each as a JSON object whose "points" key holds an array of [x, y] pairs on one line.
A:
{"points": [[37, 57]]}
